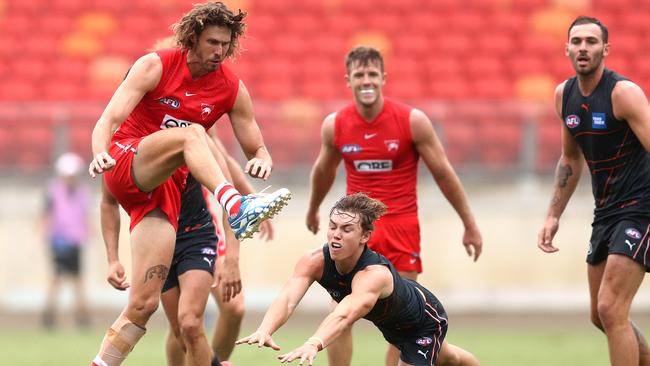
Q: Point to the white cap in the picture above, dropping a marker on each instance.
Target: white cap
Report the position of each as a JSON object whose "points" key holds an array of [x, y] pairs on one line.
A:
{"points": [[68, 164]]}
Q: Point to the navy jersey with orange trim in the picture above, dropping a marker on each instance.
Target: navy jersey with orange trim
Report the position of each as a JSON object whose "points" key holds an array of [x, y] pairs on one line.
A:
{"points": [[195, 213], [618, 162]]}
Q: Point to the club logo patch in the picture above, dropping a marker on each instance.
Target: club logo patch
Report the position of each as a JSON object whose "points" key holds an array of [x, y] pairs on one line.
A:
{"points": [[208, 251], [598, 121], [350, 149], [424, 341], [633, 233], [392, 145], [170, 102], [206, 109], [572, 121]]}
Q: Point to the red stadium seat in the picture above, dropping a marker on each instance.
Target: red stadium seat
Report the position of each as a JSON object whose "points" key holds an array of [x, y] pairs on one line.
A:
{"points": [[500, 141], [16, 89], [549, 144], [455, 44], [415, 45], [500, 44], [459, 139], [29, 69], [55, 24], [68, 6], [491, 87], [451, 87], [34, 144], [16, 25], [483, 65], [24, 7]]}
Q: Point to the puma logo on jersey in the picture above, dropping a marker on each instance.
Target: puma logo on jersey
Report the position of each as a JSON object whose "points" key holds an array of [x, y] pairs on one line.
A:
{"points": [[208, 260], [631, 245], [424, 354]]}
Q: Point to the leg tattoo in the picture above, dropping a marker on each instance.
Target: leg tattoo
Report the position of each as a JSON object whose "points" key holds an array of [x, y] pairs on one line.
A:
{"points": [[159, 271]]}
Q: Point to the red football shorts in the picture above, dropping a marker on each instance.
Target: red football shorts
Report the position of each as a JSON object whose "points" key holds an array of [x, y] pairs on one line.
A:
{"points": [[398, 239], [135, 202]]}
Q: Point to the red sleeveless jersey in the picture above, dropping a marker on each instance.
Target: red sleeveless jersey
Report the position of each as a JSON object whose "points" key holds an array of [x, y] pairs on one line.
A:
{"points": [[380, 158], [179, 100]]}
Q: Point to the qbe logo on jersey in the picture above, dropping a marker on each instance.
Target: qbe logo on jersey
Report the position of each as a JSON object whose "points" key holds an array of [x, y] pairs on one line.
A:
{"points": [[373, 165], [171, 122]]}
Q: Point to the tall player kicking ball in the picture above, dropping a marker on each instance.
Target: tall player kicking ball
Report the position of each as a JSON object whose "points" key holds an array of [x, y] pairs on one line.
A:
{"points": [[145, 161]]}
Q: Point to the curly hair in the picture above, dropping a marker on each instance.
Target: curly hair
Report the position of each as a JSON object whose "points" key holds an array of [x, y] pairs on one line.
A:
{"points": [[364, 55], [369, 209], [192, 24]]}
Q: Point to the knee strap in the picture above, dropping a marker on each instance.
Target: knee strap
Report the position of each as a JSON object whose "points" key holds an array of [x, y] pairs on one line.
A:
{"points": [[120, 339]]}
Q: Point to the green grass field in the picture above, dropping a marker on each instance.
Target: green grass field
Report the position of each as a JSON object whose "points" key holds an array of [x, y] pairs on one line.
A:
{"points": [[505, 347]]}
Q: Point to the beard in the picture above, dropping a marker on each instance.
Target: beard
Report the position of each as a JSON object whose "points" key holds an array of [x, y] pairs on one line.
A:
{"points": [[595, 62]]}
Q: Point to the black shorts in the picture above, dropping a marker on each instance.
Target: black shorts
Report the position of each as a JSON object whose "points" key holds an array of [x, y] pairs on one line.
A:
{"points": [[196, 249], [421, 346], [629, 237], [66, 258]]}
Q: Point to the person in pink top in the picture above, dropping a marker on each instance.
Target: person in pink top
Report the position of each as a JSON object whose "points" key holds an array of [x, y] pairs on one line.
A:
{"points": [[65, 221], [381, 141], [145, 158]]}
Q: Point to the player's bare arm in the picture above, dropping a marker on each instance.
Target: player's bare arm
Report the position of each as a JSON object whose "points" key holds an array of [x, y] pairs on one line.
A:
{"points": [[368, 286], [433, 154], [308, 269], [143, 77], [567, 175], [248, 134], [630, 104], [109, 212], [323, 173]]}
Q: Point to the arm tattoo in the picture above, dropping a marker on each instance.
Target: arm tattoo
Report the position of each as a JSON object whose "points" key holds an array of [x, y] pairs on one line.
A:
{"points": [[159, 271], [563, 174]]}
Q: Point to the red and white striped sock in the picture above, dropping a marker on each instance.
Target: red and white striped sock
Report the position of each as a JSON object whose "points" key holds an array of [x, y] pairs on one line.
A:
{"points": [[228, 197]]}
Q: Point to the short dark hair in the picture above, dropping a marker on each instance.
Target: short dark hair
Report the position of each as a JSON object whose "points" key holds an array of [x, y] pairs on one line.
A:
{"points": [[589, 20], [369, 209], [205, 15], [363, 55]]}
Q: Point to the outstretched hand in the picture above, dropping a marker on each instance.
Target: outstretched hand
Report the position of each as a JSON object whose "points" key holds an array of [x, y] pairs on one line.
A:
{"points": [[261, 339], [306, 352]]}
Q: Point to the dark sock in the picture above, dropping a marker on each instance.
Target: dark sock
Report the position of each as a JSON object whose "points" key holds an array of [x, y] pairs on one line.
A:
{"points": [[215, 361]]}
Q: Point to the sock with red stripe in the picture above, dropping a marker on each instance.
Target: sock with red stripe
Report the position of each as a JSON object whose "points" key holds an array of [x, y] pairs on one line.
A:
{"points": [[228, 197]]}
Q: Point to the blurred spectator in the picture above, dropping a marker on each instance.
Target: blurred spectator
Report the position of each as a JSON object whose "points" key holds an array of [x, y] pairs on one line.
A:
{"points": [[65, 220]]}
